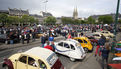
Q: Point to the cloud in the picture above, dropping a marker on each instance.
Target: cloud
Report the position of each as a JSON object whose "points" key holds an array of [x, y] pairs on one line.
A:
{"points": [[63, 7]]}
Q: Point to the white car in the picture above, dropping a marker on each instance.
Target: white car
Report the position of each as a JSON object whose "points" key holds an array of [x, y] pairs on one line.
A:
{"points": [[72, 49]]}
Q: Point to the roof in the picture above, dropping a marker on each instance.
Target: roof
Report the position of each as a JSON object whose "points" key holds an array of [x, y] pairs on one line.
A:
{"points": [[68, 41], [39, 52]]}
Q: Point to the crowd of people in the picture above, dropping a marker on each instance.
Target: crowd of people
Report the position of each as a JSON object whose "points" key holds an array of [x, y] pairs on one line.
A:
{"points": [[26, 33]]}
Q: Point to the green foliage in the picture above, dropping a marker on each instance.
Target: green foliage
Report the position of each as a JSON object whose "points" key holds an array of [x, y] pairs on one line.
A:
{"points": [[50, 20], [91, 20], [3, 18], [119, 21], [105, 19]]}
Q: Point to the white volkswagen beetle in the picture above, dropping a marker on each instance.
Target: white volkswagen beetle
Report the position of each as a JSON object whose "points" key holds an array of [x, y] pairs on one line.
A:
{"points": [[72, 49]]}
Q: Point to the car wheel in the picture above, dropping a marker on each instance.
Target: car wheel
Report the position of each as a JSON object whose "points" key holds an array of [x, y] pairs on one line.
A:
{"points": [[72, 59], [86, 50], [6, 67]]}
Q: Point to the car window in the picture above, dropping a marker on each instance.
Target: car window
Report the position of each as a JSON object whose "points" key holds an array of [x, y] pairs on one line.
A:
{"points": [[32, 62], [42, 64], [96, 35], [60, 44], [66, 45], [23, 59], [80, 41], [72, 47], [106, 32], [85, 41]]}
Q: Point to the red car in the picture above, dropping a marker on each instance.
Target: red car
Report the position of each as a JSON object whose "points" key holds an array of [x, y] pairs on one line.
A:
{"points": [[93, 40]]}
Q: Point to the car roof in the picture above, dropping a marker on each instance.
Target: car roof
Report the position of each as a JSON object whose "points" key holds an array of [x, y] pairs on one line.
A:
{"points": [[39, 52], [68, 41]]}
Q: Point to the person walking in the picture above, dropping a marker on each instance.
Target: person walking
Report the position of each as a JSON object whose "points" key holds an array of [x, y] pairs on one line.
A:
{"points": [[43, 40], [28, 37], [51, 38], [105, 54], [22, 38]]}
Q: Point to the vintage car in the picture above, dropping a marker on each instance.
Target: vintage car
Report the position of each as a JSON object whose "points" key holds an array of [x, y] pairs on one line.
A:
{"points": [[85, 43], [97, 35], [72, 49], [93, 40], [107, 34], [35, 58]]}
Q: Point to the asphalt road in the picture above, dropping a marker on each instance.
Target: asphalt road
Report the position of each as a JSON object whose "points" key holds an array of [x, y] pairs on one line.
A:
{"points": [[90, 62]]}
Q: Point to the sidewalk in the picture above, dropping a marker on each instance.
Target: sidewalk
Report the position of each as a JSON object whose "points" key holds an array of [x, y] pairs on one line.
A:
{"points": [[10, 46]]}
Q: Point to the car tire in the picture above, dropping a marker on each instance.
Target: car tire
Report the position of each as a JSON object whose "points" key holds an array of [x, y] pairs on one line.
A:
{"points": [[86, 50], [72, 59], [6, 67]]}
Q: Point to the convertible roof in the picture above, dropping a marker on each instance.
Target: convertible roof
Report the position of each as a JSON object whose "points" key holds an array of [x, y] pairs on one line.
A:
{"points": [[39, 52]]}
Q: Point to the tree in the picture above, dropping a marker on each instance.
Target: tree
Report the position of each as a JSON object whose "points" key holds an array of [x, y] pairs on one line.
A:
{"points": [[50, 20], [3, 18], [105, 19], [31, 19], [119, 21], [91, 20], [25, 19]]}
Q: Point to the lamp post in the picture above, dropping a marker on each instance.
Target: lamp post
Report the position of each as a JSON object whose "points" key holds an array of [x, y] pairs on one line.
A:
{"points": [[116, 21]]}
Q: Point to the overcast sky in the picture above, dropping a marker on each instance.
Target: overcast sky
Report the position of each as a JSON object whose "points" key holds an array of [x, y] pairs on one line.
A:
{"points": [[63, 7]]}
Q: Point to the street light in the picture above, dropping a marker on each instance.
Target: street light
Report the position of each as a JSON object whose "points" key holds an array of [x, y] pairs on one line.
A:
{"points": [[45, 5], [116, 21]]}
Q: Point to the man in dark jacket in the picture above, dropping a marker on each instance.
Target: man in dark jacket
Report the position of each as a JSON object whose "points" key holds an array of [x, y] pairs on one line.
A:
{"points": [[43, 40], [105, 53]]}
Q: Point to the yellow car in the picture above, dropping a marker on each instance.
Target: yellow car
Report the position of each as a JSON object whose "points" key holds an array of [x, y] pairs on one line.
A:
{"points": [[35, 58], [85, 43]]}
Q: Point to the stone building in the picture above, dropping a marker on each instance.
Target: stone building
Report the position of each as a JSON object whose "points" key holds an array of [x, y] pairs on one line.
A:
{"points": [[75, 13]]}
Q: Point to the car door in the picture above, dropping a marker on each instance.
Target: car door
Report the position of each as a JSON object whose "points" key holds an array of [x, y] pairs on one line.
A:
{"points": [[73, 50], [32, 63], [81, 42], [22, 62], [66, 48], [59, 48]]}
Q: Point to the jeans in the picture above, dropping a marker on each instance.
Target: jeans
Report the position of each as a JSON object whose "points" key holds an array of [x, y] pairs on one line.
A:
{"points": [[104, 59]]}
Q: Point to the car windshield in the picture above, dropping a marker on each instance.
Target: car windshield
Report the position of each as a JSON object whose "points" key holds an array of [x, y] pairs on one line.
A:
{"points": [[81, 49], [52, 59]]}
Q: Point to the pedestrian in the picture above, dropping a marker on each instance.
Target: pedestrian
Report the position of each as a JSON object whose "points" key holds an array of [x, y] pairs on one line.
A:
{"points": [[51, 38], [105, 54], [97, 50], [22, 38], [43, 40], [53, 46], [28, 37], [101, 42], [69, 36]]}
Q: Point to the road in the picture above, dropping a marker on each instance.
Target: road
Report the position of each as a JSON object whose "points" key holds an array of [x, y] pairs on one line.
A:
{"points": [[90, 62]]}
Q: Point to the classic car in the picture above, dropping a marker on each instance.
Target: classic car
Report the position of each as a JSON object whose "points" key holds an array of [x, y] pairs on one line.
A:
{"points": [[85, 43], [72, 49], [35, 58]]}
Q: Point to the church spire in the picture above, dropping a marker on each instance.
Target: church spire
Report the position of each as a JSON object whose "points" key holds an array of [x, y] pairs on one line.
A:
{"points": [[75, 13]]}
